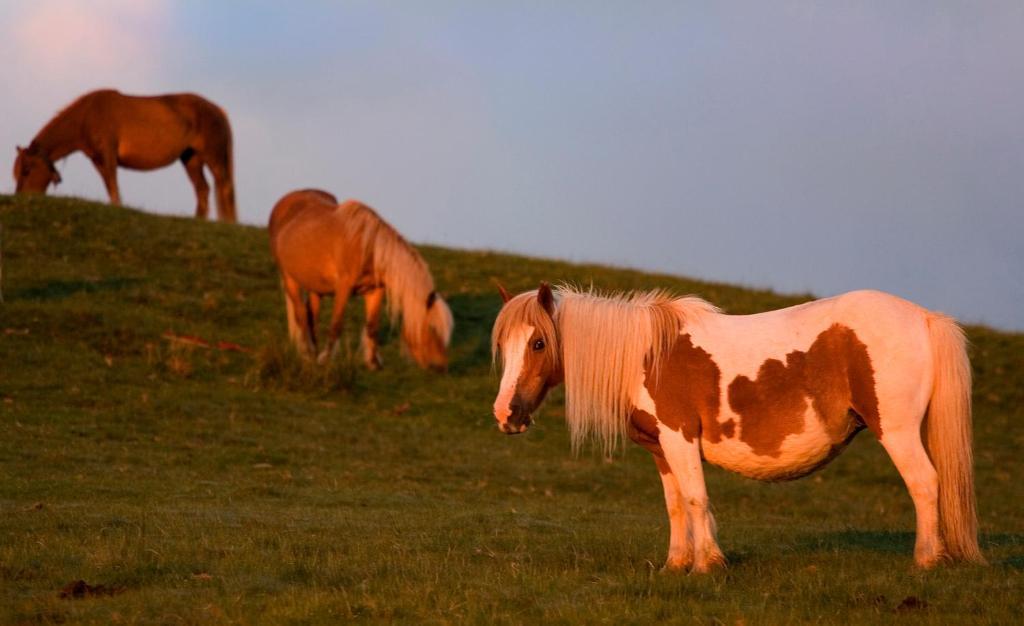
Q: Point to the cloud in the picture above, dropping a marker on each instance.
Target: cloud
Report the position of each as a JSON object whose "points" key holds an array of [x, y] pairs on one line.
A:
{"points": [[56, 41], [56, 50]]}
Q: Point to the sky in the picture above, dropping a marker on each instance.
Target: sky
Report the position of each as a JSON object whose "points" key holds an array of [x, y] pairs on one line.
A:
{"points": [[800, 146]]}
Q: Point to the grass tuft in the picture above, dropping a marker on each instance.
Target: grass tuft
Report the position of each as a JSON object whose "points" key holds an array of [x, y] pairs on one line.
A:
{"points": [[278, 366]]}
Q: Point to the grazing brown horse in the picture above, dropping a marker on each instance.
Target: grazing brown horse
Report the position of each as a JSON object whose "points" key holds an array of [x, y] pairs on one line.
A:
{"points": [[346, 249], [141, 133]]}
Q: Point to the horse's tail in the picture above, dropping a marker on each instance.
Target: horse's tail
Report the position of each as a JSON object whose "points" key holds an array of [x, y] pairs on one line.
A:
{"points": [[949, 439], [217, 129], [228, 212]]}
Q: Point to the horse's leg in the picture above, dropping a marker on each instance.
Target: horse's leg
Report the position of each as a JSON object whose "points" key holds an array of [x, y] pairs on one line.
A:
{"points": [[684, 460], [106, 165], [374, 298], [194, 168], [907, 452], [222, 179], [680, 545], [313, 301], [298, 330], [294, 333], [341, 295]]}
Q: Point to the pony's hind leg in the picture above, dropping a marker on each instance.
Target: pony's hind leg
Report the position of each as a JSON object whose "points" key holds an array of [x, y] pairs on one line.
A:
{"points": [[374, 299], [313, 301], [194, 168], [684, 460], [680, 546], [299, 331], [908, 454], [341, 295], [224, 181]]}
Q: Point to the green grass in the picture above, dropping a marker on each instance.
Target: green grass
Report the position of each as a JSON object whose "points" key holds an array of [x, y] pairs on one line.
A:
{"points": [[208, 486]]}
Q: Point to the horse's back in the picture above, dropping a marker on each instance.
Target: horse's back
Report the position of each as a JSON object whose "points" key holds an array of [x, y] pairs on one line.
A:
{"points": [[298, 202], [307, 238], [153, 131]]}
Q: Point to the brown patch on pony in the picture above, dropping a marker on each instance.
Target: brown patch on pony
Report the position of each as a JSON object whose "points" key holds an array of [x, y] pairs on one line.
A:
{"points": [[643, 430], [686, 393], [663, 466], [835, 374]]}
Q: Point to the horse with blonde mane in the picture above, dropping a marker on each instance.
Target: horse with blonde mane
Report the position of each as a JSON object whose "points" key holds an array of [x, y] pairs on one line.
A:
{"points": [[323, 248], [140, 133], [773, 396]]}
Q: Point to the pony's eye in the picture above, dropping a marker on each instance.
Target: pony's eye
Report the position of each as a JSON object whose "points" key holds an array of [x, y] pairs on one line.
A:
{"points": [[538, 345]]}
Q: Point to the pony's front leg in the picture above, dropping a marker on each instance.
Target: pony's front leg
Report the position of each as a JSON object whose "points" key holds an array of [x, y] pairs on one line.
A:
{"points": [[341, 296], [680, 545], [106, 165], [684, 460], [374, 299]]}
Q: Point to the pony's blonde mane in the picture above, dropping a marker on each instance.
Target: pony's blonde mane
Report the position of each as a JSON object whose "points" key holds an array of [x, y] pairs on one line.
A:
{"points": [[405, 275], [607, 343]]}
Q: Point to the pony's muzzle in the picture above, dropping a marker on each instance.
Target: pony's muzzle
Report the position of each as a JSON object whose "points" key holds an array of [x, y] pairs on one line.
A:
{"points": [[518, 421], [513, 429]]}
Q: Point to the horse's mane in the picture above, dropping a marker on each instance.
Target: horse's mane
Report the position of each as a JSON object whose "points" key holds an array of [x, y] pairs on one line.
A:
{"points": [[607, 342], [403, 271], [64, 125]]}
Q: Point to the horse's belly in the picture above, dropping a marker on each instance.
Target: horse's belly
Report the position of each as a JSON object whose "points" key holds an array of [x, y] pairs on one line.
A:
{"points": [[313, 274], [799, 454], [148, 154], [154, 140]]}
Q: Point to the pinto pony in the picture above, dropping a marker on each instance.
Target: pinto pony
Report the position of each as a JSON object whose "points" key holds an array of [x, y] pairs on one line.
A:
{"points": [[322, 247], [141, 133], [773, 396]]}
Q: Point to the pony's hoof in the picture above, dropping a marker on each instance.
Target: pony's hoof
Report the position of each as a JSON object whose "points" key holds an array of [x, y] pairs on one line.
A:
{"points": [[323, 357], [713, 563], [676, 566], [930, 562], [374, 364]]}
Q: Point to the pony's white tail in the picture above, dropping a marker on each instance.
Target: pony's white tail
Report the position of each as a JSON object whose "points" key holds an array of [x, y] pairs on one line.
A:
{"points": [[948, 434]]}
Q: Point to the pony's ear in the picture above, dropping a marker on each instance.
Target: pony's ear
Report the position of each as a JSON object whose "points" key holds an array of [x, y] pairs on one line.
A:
{"points": [[431, 299], [546, 298], [504, 294], [19, 149]]}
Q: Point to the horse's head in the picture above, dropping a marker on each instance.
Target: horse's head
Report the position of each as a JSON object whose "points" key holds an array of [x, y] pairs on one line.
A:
{"points": [[33, 171], [525, 335], [427, 336]]}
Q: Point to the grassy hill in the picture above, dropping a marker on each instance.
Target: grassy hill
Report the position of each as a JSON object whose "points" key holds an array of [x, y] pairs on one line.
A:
{"points": [[206, 486]]}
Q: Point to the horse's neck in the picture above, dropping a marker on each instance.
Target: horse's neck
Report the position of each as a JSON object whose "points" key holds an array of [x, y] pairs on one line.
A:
{"points": [[62, 135]]}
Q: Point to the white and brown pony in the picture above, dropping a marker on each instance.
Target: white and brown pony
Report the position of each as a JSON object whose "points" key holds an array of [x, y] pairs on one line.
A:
{"points": [[138, 132], [773, 396], [324, 248]]}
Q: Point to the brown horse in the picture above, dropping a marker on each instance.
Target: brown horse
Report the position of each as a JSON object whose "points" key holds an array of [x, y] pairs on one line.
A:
{"points": [[141, 133], [346, 249]]}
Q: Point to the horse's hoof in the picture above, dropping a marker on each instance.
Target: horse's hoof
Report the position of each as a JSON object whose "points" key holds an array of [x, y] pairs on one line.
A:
{"points": [[323, 357], [930, 562], [676, 567], [713, 563]]}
